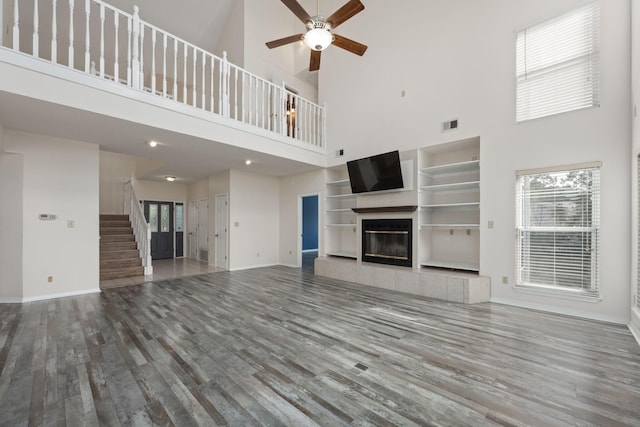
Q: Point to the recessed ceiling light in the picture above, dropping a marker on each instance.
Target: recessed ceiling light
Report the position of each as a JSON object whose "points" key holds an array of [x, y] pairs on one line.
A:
{"points": [[248, 162], [153, 144], [170, 178]]}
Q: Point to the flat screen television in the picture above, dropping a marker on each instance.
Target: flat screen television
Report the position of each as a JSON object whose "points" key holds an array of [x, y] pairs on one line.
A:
{"points": [[375, 173]]}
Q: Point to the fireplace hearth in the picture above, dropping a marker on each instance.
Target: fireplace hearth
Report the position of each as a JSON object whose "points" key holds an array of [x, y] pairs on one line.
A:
{"points": [[387, 241]]}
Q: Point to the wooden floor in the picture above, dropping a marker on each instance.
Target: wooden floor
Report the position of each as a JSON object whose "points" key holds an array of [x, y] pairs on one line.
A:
{"points": [[278, 346]]}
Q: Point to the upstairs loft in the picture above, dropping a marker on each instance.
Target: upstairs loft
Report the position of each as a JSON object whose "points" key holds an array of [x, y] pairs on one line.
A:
{"points": [[80, 62]]}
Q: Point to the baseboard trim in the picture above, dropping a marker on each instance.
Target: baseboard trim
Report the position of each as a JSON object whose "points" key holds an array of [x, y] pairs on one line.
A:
{"points": [[290, 265], [551, 309], [251, 267], [634, 324], [10, 300], [61, 295]]}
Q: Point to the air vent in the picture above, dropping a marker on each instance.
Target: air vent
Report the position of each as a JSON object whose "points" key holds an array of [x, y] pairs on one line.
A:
{"points": [[449, 125], [340, 152]]}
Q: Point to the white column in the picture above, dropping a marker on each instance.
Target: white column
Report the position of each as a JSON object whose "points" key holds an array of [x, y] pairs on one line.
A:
{"points": [[135, 48]]}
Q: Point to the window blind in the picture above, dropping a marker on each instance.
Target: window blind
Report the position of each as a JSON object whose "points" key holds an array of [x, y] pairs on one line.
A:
{"points": [[557, 64], [558, 221]]}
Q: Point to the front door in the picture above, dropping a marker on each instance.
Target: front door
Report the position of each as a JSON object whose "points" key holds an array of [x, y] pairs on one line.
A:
{"points": [[160, 217]]}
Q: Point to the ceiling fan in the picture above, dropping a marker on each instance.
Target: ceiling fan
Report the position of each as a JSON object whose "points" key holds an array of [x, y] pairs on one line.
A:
{"points": [[319, 33]]}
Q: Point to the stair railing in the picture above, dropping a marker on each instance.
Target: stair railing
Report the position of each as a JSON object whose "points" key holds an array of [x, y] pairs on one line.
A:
{"points": [[106, 42], [141, 229]]}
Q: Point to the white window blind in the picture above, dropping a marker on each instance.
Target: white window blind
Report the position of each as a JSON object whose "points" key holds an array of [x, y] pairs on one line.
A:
{"points": [[557, 64], [558, 230]]}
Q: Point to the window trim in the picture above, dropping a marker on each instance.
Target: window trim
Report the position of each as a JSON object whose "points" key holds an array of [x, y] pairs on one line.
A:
{"points": [[558, 291]]}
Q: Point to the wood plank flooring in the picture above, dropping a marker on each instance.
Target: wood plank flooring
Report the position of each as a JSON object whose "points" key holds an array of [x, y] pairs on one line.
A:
{"points": [[278, 346]]}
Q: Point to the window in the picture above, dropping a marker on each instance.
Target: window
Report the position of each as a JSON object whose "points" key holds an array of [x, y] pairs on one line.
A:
{"points": [[558, 229], [557, 64]]}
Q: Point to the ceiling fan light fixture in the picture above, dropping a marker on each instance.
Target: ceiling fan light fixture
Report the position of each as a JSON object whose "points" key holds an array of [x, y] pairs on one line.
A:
{"points": [[318, 39]]}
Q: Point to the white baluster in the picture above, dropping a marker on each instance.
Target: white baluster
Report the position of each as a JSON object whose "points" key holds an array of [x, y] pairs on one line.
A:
{"points": [[16, 26], [71, 53], [250, 97], [193, 84], [101, 40], [129, 52], [184, 75], [116, 64], [36, 36], [257, 103], [244, 89], [204, 79], [164, 65], [213, 70], [220, 96], [269, 118], [153, 60], [54, 31], [142, 30], [235, 96], [283, 106], [175, 69], [87, 44], [135, 48]]}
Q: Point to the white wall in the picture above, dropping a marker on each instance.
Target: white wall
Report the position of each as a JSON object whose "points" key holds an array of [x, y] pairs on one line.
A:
{"points": [[161, 191], [115, 169], [292, 187], [635, 152], [459, 63], [11, 225], [232, 39], [254, 207], [59, 177]]}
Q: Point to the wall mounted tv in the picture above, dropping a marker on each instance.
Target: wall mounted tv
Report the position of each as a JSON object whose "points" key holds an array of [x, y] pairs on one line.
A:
{"points": [[375, 173]]}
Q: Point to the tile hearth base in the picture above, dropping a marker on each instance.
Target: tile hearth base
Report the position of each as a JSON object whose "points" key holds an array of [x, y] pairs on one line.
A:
{"points": [[454, 286]]}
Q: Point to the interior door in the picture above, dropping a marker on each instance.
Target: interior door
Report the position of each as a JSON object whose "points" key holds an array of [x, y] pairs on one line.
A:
{"points": [[222, 230], [192, 224], [203, 230], [159, 215]]}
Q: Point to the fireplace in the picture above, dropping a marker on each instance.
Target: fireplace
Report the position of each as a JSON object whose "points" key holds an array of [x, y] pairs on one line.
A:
{"points": [[387, 241]]}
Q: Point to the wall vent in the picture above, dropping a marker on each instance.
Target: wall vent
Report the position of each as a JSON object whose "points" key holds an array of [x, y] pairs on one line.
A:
{"points": [[449, 125], [340, 152]]}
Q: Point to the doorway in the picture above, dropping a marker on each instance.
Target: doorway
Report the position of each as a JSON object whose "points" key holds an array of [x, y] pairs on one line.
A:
{"points": [[192, 224], [203, 230], [222, 230], [159, 215], [308, 226]]}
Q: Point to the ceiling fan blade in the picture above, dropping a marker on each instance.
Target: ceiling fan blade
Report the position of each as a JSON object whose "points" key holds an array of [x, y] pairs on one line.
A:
{"points": [[297, 10], [351, 8], [285, 40], [314, 64], [350, 45]]}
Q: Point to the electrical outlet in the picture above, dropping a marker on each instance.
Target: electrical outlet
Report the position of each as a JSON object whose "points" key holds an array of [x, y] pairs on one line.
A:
{"points": [[491, 224], [50, 279], [71, 224], [505, 280]]}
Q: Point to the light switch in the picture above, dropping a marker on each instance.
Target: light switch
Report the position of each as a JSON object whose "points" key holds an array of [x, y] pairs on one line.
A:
{"points": [[236, 224], [491, 224], [71, 224]]}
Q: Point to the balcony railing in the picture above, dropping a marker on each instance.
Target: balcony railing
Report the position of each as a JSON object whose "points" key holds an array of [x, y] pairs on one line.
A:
{"points": [[98, 39]]}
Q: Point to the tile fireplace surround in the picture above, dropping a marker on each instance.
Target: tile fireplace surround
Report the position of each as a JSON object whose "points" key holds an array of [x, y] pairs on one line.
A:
{"points": [[454, 286]]}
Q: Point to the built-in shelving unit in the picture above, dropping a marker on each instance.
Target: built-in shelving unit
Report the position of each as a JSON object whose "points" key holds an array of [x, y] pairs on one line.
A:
{"points": [[449, 203], [340, 220]]}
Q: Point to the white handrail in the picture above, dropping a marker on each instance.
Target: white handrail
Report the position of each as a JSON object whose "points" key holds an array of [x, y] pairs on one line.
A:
{"points": [[159, 63], [141, 229]]}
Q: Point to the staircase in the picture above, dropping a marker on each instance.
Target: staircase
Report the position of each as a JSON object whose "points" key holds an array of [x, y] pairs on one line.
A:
{"points": [[119, 255]]}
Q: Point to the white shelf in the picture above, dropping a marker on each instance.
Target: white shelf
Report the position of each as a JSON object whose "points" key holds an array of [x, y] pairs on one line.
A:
{"points": [[470, 185], [340, 210], [449, 225], [341, 225], [452, 205], [340, 254], [342, 196], [339, 183], [451, 264], [470, 166]]}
